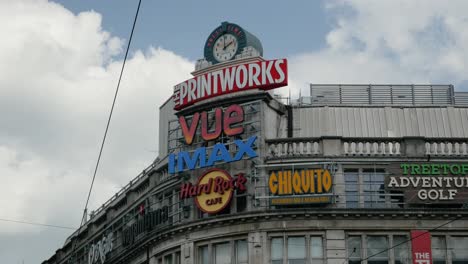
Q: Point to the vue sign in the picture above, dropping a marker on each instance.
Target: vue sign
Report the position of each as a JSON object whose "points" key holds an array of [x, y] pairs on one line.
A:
{"points": [[224, 122]]}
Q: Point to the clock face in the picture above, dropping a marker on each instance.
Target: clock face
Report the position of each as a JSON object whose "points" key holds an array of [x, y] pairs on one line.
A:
{"points": [[225, 47]]}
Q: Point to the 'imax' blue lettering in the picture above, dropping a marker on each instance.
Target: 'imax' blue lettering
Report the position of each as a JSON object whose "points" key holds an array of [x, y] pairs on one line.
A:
{"points": [[185, 160], [245, 148]]}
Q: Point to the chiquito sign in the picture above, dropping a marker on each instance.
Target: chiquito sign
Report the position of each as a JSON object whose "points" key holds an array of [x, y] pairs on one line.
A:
{"points": [[304, 186], [264, 75], [430, 182]]}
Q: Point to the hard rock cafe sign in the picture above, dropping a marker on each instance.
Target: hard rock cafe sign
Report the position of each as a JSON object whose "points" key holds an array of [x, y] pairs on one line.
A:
{"points": [[214, 190]]}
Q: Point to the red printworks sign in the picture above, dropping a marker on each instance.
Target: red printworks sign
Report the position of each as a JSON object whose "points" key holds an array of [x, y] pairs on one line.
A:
{"points": [[264, 75], [421, 247]]}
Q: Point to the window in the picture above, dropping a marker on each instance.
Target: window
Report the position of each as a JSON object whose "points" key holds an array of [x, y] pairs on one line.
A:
{"points": [[203, 255], [316, 250], [222, 253], [242, 256], [169, 257], [241, 203], [449, 247], [401, 249], [352, 188], [438, 250], [374, 188], [366, 188], [375, 249], [297, 250], [459, 250], [277, 250], [226, 252], [354, 249]]}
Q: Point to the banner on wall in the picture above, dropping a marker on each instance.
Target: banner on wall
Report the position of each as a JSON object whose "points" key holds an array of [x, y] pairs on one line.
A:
{"points": [[421, 247]]}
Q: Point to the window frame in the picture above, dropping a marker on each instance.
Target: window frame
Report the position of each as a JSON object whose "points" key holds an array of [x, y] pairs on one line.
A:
{"points": [[307, 235], [160, 258], [449, 243], [211, 244], [363, 192], [391, 252]]}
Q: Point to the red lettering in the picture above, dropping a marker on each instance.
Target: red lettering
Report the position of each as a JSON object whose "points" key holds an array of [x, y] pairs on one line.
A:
{"points": [[226, 185], [230, 120], [232, 184], [207, 187], [217, 123], [233, 115], [185, 190], [189, 133], [240, 182], [218, 186], [193, 190]]}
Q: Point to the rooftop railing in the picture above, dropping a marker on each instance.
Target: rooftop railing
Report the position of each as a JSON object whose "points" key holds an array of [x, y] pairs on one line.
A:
{"points": [[383, 94]]}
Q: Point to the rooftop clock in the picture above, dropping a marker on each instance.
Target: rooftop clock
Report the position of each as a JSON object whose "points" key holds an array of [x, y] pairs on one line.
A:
{"points": [[227, 41]]}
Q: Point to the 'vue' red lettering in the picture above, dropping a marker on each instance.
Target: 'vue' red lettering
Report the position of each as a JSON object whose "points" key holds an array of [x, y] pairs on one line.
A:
{"points": [[226, 122]]}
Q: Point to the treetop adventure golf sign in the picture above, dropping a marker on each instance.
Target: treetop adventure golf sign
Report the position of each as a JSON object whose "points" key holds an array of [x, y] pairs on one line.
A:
{"points": [[430, 182], [214, 190], [264, 75]]}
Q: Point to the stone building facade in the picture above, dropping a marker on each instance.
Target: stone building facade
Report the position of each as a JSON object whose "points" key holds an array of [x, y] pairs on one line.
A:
{"points": [[351, 174]]}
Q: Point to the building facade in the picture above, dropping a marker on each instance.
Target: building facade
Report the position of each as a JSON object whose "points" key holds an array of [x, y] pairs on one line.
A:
{"points": [[350, 174]]}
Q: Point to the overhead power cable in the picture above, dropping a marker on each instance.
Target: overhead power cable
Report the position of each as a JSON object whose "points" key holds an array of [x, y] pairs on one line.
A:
{"points": [[107, 126], [112, 109], [36, 224]]}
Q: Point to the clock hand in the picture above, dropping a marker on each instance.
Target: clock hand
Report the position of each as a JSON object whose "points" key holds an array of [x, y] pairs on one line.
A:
{"points": [[229, 44]]}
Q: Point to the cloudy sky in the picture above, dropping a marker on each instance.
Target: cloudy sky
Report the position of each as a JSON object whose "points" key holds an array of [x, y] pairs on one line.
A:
{"points": [[59, 65]]}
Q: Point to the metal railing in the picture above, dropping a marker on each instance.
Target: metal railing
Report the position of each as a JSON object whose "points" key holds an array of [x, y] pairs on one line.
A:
{"points": [[387, 94], [281, 148], [461, 98]]}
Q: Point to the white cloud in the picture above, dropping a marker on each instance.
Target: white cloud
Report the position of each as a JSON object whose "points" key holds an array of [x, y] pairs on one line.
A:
{"points": [[58, 73], [57, 80], [390, 42]]}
